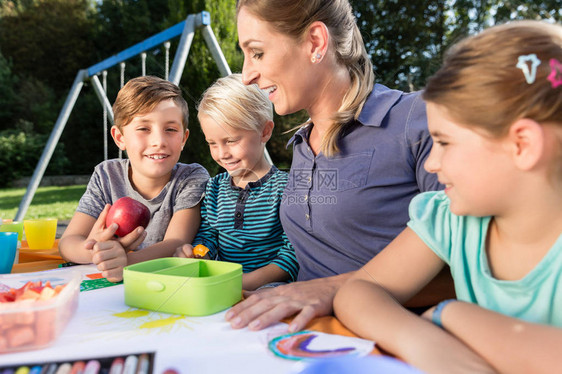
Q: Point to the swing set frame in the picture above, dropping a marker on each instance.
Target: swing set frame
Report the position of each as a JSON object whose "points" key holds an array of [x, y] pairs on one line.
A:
{"points": [[193, 22]]}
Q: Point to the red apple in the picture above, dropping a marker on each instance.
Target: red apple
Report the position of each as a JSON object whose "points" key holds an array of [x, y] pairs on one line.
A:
{"points": [[128, 214]]}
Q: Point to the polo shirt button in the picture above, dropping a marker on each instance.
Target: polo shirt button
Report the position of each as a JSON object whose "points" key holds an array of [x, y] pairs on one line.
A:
{"points": [[238, 215], [307, 216]]}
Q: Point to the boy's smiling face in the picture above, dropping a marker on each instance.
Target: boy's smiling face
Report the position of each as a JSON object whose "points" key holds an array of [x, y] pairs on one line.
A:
{"points": [[153, 142], [239, 151]]}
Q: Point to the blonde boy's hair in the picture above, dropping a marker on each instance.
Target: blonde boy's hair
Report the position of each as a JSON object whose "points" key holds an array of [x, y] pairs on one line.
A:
{"points": [[293, 20], [141, 95], [230, 102], [481, 85]]}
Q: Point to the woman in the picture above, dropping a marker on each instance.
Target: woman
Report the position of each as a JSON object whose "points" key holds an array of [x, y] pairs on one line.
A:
{"points": [[357, 162]]}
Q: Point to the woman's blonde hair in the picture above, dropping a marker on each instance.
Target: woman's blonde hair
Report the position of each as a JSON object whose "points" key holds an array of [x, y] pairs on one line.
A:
{"points": [[294, 18], [483, 84], [228, 101], [141, 95]]}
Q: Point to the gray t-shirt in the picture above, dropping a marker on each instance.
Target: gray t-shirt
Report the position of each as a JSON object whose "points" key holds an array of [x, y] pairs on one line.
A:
{"points": [[110, 182]]}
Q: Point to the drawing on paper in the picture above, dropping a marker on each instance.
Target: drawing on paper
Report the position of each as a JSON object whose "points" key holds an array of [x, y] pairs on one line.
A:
{"points": [[312, 345]]}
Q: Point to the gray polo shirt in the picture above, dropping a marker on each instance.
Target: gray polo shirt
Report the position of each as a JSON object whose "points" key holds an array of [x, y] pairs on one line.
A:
{"points": [[341, 211], [110, 181]]}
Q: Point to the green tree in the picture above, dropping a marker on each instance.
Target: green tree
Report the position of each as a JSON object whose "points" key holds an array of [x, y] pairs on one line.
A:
{"points": [[403, 39], [8, 84], [512, 9], [36, 103], [48, 40], [407, 39]]}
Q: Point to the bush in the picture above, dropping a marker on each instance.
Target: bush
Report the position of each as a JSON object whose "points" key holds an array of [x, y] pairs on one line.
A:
{"points": [[20, 152]]}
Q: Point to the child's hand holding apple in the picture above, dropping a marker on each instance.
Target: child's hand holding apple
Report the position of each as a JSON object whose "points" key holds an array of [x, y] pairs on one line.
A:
{"points": [[128, 214], [118, 230], [125, 219]]}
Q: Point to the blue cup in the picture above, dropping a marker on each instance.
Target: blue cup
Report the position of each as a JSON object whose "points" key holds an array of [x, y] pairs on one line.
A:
{"points": [[8, 246]]}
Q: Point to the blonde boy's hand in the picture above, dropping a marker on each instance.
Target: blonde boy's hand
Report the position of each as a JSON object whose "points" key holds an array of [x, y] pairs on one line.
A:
{"points": [[110, 258], [100, 233], [185, 251]]}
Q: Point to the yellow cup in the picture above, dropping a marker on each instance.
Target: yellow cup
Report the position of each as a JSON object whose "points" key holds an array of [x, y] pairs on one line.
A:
{"points": [[40, 233], [12, 226]]}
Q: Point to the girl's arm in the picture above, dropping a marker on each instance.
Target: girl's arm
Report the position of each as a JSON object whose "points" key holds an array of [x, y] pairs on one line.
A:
{"points": [[508, 344], [369, 304], [182, 229]]}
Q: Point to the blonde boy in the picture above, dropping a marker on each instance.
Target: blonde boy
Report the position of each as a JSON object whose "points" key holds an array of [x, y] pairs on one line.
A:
{"points": [[240, 213]]}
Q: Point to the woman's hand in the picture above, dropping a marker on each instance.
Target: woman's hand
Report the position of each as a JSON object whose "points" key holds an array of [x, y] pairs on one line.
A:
{"points": [[305, 300]]}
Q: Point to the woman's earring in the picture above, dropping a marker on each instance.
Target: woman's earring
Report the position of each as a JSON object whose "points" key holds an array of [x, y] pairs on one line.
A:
{"points": [[316, 58]]}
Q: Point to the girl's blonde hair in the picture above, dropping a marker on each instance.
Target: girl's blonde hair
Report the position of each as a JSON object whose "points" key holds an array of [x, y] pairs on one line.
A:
{"points": [[294, 18], [228, 101], [482, 83], [141, 95]]}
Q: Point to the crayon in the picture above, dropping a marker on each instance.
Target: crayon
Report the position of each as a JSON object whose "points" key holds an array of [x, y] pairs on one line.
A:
{"points": [[92, 367], [117, 366], [67, 264], [78, 367], [49, 369], [36, 369], [130, 366], [142, 367], [64, 368], [22, 370], [8, 371]]}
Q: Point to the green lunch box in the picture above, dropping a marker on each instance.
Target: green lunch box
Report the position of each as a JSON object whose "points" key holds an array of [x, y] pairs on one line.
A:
{"points": [[188, 286]]}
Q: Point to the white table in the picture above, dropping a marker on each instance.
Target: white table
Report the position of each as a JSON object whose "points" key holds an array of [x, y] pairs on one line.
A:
{"points": [[104, 326]]}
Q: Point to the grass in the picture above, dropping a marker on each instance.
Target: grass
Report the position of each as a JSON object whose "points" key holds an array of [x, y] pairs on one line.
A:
{"points": [[48, 202]]}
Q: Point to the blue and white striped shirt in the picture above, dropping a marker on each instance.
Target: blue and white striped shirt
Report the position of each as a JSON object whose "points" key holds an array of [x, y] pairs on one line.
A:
{"points": [[242, 224]]}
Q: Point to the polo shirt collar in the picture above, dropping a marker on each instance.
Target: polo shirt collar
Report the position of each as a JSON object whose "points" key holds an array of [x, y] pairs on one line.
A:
{"points": [[377, 106]]}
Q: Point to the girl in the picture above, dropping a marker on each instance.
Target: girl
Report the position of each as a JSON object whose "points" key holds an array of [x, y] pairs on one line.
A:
{"points": [[240, 213], [495, 114]]}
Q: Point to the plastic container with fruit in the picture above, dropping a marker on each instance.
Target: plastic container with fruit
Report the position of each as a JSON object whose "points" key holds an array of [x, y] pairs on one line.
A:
{"points": [[35, 308]]}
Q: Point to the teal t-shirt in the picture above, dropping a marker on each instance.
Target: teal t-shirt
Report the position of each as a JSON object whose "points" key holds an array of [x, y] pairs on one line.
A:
{"points": [[460, 242]]}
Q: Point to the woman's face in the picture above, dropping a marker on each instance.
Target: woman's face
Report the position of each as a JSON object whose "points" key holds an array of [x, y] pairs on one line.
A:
{"points": [[276, 63]]}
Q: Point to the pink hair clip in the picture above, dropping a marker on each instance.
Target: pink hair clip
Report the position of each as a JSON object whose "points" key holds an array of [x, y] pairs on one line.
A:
{"points": [[523, 64], [555, 76]]}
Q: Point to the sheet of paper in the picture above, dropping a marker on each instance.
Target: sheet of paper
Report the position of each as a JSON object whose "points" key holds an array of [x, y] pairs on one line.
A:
{"points": [[104, 326]]}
